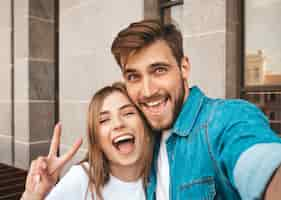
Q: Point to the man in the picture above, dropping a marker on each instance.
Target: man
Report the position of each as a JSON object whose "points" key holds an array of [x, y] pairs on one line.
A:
{"points": [[209, 148]]}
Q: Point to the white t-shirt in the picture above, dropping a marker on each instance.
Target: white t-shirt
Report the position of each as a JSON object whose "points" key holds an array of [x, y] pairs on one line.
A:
{"points": [[163, 170], [74, 186]]}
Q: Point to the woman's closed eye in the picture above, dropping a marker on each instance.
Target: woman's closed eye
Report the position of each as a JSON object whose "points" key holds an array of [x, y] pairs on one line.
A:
{"points": [[130, 113], [104, 120]]}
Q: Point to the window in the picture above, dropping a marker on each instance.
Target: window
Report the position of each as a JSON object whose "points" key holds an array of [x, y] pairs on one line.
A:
{"points": [[262, 42], [261, 74]]}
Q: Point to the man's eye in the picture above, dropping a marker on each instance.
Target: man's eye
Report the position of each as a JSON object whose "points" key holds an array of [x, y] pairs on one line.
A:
{"points": [[160, 70], [132, 77]]}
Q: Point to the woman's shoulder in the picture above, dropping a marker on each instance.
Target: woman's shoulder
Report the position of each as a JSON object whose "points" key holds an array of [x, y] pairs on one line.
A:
{"points": [[79, 169], [72, 185]]}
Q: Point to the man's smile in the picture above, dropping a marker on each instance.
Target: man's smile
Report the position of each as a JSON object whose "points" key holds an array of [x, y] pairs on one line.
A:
{"points": [[155, 106]]}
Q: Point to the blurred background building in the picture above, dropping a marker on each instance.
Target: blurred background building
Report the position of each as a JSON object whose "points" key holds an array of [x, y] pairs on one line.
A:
{"points": [[55, 54]]}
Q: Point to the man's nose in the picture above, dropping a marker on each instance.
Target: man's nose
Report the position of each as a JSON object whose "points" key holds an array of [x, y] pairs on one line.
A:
{"points": [[147, 87]]}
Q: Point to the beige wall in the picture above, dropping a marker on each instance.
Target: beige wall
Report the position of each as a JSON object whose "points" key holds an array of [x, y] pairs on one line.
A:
{"points": [[86, 30], [5, 83], [203, 24]]}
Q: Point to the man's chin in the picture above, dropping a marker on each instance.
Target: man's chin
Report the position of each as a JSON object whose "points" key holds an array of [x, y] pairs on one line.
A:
{"points": [[160, 125]]}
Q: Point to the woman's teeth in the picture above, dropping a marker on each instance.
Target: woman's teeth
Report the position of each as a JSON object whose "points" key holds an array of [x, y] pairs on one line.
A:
{"points": [[123, 138]]}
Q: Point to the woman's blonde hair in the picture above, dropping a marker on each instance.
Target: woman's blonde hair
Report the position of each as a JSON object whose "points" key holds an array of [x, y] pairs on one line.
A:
{"points": [[98, 170]]}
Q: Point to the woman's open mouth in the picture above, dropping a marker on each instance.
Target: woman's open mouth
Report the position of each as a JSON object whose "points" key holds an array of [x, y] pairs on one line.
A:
{"points": [[124, 143]]}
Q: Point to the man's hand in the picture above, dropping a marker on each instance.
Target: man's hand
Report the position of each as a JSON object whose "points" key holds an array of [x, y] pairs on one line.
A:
{"points": [[44, 171]]}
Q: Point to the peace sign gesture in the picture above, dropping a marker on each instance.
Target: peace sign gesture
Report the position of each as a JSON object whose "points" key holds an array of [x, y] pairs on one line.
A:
{"points": [[44, 171]]}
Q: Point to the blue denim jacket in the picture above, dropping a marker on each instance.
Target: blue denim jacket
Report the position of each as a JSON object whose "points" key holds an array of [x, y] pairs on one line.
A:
{"points": [[207, 139]]}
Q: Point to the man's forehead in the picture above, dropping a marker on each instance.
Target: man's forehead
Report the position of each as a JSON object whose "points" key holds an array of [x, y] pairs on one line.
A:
{"points": [[142, 59], [139, 63]]}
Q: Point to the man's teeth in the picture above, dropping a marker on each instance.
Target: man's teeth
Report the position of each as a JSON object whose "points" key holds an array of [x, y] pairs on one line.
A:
{"points": [[122, 138], [154, 103]]}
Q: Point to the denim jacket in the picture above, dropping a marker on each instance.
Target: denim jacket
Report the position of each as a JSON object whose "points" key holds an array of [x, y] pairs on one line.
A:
{"points": [[206, 141]]}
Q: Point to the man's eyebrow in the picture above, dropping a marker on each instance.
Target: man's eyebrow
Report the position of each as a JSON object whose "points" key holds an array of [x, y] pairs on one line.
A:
{"points": [[157, 64], [129, 71], [152, 65]]}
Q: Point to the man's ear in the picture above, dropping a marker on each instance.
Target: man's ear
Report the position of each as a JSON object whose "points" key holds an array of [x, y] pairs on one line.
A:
{"points": [[185, 68]]}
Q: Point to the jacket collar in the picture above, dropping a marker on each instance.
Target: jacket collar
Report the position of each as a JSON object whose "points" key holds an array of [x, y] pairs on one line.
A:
{"points": [[189, 112]]}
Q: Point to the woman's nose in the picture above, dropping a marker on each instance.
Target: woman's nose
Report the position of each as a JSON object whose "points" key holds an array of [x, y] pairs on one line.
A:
{"points": [[117, 123]]}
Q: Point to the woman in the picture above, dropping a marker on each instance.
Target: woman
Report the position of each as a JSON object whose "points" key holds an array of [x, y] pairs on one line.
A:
{"points": [[118, 159]]}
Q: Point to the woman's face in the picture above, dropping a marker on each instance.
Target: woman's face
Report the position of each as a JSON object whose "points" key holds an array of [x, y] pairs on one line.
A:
{"points": [[121, 131]]}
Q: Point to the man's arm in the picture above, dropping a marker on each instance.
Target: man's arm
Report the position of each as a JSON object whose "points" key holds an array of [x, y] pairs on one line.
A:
{"points": [[273, 190], [249, 151]]}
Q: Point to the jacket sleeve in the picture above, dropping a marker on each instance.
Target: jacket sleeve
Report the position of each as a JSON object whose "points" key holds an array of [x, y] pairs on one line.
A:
{"points": [[248, 151]]}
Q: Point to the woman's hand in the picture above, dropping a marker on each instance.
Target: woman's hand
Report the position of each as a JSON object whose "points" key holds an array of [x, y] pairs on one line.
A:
{"points": [[44, 171]]}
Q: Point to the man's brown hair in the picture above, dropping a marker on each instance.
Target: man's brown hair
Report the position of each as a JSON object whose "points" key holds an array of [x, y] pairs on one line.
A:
{"points": [[144, 33]]}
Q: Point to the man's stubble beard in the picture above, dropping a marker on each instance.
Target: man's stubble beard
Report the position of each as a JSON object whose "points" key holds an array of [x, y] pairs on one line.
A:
{"points": [[178, 105]]}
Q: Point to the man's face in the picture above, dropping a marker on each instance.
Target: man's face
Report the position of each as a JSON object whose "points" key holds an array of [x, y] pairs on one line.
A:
{"points": [[156, 84]]}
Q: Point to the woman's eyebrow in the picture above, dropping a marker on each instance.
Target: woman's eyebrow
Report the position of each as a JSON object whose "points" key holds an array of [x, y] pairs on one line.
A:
{"points": [[104, 112], [127, 106]]}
